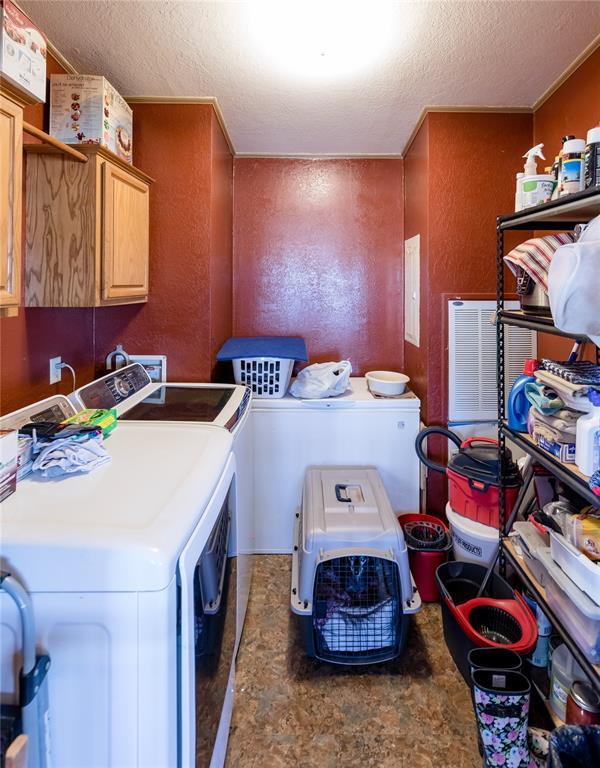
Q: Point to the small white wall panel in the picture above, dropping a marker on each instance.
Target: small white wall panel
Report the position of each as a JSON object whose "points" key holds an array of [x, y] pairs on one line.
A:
{"points": [[412, 289], [472, 382]]}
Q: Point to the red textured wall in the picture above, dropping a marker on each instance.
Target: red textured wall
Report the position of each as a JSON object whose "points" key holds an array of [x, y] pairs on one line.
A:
{"points": [[172, 143], [461, 167], [573, 109], [29, 340], [221, 244], [318, 254]]}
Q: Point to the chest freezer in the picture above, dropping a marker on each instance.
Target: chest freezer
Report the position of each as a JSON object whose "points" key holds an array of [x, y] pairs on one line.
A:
{"points": [[356, 428]]}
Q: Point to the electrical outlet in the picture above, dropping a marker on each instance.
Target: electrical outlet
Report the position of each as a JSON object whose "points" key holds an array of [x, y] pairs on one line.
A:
{"points": [[55, 371]]}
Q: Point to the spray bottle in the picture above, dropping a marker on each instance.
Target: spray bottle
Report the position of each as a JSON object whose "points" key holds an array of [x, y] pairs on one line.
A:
{"points": [[533, 188]]}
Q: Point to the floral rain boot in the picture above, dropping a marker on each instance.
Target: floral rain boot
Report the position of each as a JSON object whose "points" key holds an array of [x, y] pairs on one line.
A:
{"points": [[491, 658], [502, 710]]}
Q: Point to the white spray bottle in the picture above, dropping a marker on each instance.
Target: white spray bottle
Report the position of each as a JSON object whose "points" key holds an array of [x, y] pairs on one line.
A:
{"points": [[533, 188]]}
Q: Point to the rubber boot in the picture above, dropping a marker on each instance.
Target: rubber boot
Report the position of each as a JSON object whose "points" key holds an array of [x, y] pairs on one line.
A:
{"points": [[502, 711], [491, 658]]}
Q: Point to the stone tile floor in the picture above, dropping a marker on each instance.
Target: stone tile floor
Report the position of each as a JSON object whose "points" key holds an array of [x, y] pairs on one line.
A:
{"points": [[413, 712]]}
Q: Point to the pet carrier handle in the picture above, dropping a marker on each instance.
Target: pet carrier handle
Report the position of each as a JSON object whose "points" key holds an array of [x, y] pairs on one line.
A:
{"points": [[434, 431], [339, 489]]}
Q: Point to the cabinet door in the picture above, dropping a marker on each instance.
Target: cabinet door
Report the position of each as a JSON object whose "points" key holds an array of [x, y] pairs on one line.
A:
{"points": [[125, 237], [11, 169]]}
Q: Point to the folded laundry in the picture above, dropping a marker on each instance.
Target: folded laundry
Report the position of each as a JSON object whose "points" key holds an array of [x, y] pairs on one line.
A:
{"points": [[544, 398], [579, 372], [535, 256], [63, 457]]}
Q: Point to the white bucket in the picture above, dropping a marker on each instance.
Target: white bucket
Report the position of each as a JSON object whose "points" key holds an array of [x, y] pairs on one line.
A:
{"points": [[472, 542]]}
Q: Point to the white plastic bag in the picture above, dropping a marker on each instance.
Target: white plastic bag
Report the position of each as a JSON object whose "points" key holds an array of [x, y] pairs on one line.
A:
{"points": [[322, 380], [574, 284]]}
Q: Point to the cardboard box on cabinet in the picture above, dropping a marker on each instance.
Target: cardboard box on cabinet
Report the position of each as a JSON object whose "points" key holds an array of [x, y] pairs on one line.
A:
{"points": [[23, 52], [86, 109]]}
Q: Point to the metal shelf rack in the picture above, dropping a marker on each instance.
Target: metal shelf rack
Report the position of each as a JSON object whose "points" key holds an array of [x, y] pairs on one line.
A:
{"points": [[563, 214]]}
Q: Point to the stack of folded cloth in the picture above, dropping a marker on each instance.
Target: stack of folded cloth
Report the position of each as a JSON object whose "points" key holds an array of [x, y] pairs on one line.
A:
{"points": [[550, 423]]}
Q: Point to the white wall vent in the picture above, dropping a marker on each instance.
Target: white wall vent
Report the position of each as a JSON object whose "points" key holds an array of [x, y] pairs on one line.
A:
{"points": [[472, 388]]}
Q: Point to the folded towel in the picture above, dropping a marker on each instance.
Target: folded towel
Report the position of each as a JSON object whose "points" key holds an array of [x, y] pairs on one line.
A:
{"points": [[535, 255], [543, 398], [63, 457]]}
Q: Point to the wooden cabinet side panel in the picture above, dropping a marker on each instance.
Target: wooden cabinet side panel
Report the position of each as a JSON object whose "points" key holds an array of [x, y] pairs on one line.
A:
{"points": [[61, 232], [126, 235], [11, 170]]}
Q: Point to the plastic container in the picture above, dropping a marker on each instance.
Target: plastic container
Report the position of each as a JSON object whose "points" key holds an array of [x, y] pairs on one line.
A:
{"points": [[263, 363], [587, 441], [425, 562], [592, 158], [387, 383], [518, 405], [266, 376], [564, 670], [577, 566], [532, 543], [576, 611], [537, 189], [472, 542]]}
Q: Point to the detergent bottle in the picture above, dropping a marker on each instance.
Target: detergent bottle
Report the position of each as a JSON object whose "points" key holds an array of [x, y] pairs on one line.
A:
{"points": [[587, 442], [518, 405], [534, 188]]}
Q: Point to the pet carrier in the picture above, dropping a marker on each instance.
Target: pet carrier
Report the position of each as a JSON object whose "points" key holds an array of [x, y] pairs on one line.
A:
{"points": [[351, 582]]}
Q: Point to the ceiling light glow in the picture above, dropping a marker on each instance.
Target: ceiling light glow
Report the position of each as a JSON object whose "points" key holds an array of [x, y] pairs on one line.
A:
{"points": [[322, 40]]}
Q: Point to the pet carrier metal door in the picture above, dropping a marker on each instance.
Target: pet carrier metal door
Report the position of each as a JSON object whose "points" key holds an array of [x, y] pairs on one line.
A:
{"points": [[357, 610]]}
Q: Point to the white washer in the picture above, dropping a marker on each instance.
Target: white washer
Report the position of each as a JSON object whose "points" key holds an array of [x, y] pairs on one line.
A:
{"points": [[113, 561], [353, 429], [226, 406]]}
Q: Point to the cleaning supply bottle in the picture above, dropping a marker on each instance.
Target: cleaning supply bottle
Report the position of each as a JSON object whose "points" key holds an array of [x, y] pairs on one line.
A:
{"points": [[534, 188], [592, 158], [587, 440], [519, 192], [518, 405], [563, 141], [572, 176]]}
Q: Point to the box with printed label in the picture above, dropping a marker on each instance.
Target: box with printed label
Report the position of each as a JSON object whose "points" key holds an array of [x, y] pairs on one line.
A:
{"points": [[23, 52], [86, 109], [8, 462]]}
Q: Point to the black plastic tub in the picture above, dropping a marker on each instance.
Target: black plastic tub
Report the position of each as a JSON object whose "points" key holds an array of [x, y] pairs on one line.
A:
{"points": [[462, 581]]}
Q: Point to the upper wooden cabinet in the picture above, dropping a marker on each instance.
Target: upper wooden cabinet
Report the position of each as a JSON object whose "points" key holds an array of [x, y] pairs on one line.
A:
{"points": [[11, 176], [87, 234]]}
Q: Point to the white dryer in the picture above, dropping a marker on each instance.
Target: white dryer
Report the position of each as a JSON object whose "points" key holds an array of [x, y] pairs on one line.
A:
{"points": [[132, 595]]}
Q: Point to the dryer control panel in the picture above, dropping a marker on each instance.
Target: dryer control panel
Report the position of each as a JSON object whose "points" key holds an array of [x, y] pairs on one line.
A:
{"points": [[114, 388]]}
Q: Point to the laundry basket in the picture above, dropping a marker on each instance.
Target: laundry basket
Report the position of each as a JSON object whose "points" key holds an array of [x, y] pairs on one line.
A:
{"points": [[351, 583], [263, 363]]}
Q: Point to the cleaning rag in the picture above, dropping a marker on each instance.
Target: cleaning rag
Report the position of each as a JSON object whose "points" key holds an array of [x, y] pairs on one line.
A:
{"points": [[63, 457], [535, 256]]}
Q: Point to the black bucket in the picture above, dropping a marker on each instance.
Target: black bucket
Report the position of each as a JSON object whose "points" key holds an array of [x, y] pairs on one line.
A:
{"points": [[461, 581]]}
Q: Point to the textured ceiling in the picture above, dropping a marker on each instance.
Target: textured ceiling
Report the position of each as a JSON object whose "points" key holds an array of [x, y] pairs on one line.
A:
{"points": [[323, 77]]}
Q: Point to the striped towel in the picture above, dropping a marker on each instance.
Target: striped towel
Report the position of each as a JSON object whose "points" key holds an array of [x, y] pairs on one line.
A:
{"points": [[535, 255]]}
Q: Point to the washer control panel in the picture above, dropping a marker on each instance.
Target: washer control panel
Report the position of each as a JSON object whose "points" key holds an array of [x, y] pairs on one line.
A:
{"points": [[114, 388]]}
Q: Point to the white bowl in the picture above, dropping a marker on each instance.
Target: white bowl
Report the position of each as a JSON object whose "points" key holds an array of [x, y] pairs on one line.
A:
{"points": [[387, 383]]}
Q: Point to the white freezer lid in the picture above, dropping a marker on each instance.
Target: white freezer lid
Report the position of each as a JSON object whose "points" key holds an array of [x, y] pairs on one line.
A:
{"points": [[358, 395], [122, 527]]}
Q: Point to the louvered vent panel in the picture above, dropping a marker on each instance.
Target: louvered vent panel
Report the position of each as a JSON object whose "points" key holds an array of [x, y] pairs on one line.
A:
{"points": [[472, 391]]}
